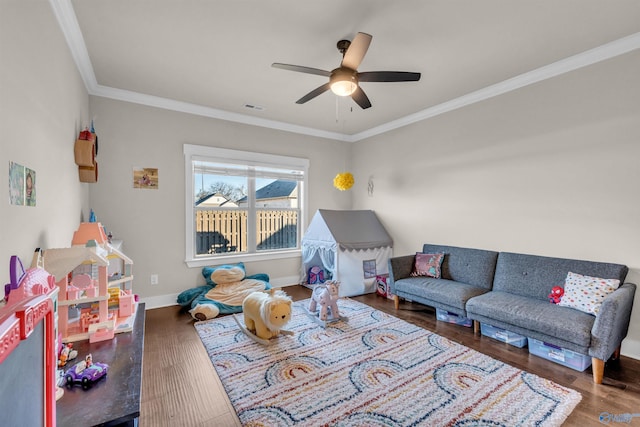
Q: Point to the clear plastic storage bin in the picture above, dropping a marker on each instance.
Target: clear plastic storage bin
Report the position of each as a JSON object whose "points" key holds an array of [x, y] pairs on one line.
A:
{"points": [[565, 357], [503, 335], [446, 316]]}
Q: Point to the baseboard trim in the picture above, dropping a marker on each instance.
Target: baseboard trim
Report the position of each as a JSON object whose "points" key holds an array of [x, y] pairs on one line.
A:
{"points": [[283, 282], [631, 348], [159, 301]]}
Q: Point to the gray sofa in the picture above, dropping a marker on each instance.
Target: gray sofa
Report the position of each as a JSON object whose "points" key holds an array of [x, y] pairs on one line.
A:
{"points": [[510, 291], [466, 273]]}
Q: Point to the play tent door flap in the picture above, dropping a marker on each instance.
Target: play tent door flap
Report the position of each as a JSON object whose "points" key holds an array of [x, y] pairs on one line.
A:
{"points": [[352, 247]]}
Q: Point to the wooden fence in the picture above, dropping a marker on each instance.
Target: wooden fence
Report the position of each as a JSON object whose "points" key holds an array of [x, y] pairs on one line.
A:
{"points": [[223, 231]]}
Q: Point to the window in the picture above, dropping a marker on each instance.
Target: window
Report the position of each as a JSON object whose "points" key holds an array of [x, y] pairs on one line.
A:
{"points": [[242, 206], [369, 267]]}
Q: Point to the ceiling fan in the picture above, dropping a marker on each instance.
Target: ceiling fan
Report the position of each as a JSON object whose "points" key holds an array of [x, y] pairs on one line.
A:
{"points": [[344, 80]]}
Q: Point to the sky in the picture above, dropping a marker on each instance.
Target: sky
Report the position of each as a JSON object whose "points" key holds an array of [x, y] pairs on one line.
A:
{"points": [[204, 181]]}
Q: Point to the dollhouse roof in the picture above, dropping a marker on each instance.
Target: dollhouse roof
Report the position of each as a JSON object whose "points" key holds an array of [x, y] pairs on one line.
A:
{"points": [[89, 231], [61, 261]]}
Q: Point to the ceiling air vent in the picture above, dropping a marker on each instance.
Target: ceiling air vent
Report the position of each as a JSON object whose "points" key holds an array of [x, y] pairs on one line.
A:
{"points": [[254, 107]]}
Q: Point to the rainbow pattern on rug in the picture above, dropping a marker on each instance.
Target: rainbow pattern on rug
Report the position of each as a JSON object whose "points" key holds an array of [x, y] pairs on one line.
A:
{"points": [[374, 370]]}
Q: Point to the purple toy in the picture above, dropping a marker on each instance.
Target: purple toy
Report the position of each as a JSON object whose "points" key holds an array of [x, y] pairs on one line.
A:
{"points": [[315, 275], [86, 373], [16, 271], [326, 295]]}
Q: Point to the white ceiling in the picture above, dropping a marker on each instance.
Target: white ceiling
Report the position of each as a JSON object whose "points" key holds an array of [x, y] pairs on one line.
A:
{"points": [[211, 57]]}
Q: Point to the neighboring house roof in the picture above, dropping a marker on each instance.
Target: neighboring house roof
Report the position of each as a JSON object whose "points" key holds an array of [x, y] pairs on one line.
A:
{"points": [[277, 189], [218, 200]]}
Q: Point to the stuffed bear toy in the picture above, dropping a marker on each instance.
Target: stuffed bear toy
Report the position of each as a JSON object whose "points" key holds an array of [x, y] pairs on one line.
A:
{"points": [[265, 313], [224, 292]]}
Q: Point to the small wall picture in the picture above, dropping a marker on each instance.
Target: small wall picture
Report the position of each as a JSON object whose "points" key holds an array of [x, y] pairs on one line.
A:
{"points": [[16, 184], [145, 178], [22, 185], [29, 187]]}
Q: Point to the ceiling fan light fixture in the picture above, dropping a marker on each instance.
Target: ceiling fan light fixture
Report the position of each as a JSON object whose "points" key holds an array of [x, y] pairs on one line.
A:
{"points": [[343, 82], [344, 87]]}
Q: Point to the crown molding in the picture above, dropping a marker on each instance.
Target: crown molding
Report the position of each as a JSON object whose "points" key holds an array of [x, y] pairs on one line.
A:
{"points": [[68, 22], [214, 113], [572, 63], [63, 10]]}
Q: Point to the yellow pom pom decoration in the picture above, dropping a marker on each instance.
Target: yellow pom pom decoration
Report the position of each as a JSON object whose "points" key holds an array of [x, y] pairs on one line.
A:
{"points": [[343, 181]]}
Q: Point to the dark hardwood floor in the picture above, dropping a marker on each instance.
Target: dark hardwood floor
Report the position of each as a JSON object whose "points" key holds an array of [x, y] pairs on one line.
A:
{"points": [[180, 386]]}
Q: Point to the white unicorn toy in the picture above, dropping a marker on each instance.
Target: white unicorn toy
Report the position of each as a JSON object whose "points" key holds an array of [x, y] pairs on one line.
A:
{"points": [[326, 295]]}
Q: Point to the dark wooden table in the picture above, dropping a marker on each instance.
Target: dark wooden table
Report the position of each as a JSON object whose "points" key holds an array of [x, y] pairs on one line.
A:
{"points": [[115, 399]]}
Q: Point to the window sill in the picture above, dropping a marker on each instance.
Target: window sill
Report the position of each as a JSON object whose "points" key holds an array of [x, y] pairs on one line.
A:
{"points": [[223, 259]]}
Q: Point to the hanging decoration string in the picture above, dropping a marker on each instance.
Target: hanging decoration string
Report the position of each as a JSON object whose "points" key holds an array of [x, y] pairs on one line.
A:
{"points": [[344, 180]]}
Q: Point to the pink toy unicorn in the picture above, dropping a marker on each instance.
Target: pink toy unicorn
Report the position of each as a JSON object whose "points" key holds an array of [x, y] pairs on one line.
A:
{"points": [[326, 295]]}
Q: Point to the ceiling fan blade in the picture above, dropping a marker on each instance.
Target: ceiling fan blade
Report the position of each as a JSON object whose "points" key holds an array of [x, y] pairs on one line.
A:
{"points": [[356, 51], [317, 91], [301, 69], [388, 76], [361, 98]]}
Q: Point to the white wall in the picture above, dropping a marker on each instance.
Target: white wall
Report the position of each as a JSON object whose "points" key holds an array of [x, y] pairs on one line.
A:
{"points": [[43, 106], [551, 169], [152, 222]]}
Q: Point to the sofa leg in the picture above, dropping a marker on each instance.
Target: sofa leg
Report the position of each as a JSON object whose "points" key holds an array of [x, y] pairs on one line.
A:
{"points": [[616, 354], [396, 301], [476, 327], [597, 365]]}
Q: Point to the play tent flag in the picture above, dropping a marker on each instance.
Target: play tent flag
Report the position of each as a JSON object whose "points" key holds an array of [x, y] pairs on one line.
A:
{"points": [[352, 246]]}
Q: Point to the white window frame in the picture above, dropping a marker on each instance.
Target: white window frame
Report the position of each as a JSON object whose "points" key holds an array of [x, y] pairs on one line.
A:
{"points": [[222, 155]]}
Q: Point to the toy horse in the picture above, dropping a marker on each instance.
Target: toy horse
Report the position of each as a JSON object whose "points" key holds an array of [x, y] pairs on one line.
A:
{"points": [[327, 296]]}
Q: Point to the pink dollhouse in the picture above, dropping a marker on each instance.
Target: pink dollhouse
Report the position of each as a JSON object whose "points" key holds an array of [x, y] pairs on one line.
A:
{"points": [[91, 306]]}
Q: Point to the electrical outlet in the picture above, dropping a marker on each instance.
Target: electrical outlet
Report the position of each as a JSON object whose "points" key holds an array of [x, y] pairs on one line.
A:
{"points": [[154, 279]]}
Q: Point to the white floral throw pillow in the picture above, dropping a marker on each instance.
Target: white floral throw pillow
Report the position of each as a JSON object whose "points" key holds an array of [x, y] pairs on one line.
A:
{"points": [[586, 293]]}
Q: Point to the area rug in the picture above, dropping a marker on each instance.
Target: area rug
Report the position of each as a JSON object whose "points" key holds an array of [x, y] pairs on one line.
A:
{"points": [[374, 370]]}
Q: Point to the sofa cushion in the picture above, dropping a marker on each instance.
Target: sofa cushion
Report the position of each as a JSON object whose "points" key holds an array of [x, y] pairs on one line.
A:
{"points": [[427, 265], [449, 292], [586, 293], [534, 276], [473, 266], [533, 314]]}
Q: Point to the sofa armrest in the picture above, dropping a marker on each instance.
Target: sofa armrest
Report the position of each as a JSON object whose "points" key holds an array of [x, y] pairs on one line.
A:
{"points": [[612, 322], [400, 268]]}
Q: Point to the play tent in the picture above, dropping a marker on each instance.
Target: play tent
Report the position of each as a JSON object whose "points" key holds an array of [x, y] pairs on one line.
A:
{"points": [[352, 247]]}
